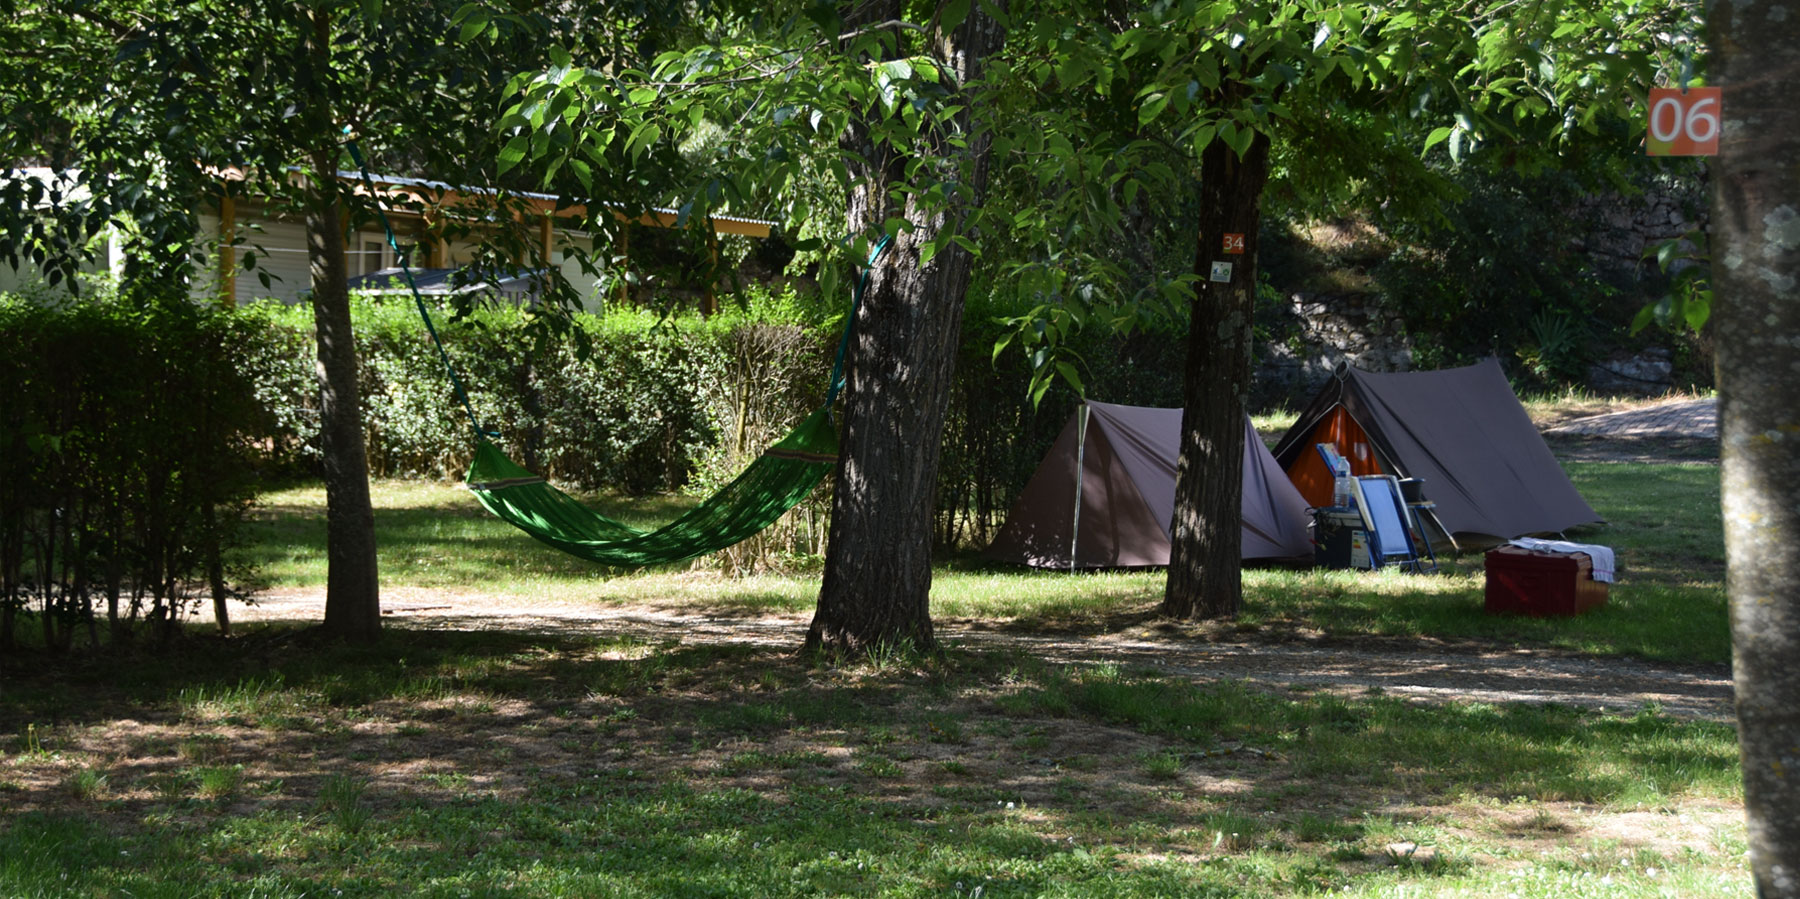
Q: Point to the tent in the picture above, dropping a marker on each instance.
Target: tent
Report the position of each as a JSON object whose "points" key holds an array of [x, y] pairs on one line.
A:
{"points": [[1461, 432], [1104, 496]]}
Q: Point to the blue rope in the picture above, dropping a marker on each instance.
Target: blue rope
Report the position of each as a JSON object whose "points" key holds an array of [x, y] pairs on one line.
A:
{"points": [[862, 282], [419, 301]]}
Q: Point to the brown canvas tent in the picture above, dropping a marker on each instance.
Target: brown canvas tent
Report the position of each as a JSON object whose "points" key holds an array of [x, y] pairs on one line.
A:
{"points": [[1460, 431], [1104, 496]]}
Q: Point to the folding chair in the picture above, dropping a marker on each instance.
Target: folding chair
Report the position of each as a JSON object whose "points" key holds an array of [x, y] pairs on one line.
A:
{"points": [[1389, 521]]}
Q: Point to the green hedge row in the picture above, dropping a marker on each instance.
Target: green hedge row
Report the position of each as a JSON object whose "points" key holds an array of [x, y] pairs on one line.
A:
{"points": [[127, 461], [652, 405], [640, 411], [665, 404], [646, 404]]}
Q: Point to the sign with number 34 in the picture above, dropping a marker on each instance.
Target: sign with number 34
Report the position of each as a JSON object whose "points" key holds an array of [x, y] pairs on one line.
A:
{"points": [[1683, 123]]}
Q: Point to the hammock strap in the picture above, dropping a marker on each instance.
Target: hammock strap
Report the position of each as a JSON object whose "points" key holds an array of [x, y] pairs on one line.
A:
{"points": [[462, 394], [862, 282]]}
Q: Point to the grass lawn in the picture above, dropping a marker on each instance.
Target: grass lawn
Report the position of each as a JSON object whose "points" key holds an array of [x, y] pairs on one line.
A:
{"points": [[1663, 521], [502, 764], [510, 764]]}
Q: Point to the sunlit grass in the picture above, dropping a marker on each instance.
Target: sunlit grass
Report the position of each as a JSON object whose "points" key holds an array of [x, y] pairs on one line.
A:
{"points": [[1662, 520]]}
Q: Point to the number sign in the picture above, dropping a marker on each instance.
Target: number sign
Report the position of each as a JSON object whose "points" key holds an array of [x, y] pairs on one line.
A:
{"points": [[1234, 243], [1683, 123]]}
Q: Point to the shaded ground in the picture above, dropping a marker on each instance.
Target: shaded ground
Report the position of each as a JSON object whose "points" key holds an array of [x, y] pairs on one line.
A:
{"points": [[1427, 670]]}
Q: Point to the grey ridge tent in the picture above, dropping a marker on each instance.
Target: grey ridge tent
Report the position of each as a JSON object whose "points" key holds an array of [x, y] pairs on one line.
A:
{"points": [[1104, 496], [1460, 431]]}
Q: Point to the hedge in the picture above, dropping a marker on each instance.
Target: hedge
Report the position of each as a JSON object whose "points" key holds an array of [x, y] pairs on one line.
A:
{"points": [[126, 464]]}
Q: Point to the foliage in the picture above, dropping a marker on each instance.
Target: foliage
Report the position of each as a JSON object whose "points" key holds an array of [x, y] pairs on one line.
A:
{"points": [[146, 112], [1688, 304], [1349, 96], [629, 401], [1495, 273], [127, 465], [120, 100]]}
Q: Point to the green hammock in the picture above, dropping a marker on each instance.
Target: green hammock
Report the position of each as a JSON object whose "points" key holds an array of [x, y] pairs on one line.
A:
{"points": [[771, 485], [777, 481]]}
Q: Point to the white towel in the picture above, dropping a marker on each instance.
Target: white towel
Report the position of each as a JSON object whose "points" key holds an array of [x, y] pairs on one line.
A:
{"points": [[1602, 556]]}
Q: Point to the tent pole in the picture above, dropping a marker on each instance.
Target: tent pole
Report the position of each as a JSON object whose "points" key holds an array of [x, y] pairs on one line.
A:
{"points": [[1081, 424]]}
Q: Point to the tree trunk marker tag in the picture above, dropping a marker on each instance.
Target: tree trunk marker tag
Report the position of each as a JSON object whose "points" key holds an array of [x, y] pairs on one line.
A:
{"points": [[1683, 123], [1234, 243], [1221, 271]]}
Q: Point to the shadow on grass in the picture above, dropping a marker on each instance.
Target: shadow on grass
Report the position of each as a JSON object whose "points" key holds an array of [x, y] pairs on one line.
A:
{"points": [[509, 764]]}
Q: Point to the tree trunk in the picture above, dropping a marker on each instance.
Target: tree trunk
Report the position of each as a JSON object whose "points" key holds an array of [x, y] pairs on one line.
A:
{"points": [[877, 583], [1756, 253], [352, 591], [1205, 542]]}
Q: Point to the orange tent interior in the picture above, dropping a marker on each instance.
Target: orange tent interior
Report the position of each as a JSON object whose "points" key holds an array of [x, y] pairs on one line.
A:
{"points": [[1310, 474]]}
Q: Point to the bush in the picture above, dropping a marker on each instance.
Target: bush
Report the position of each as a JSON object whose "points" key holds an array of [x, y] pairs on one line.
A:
{"points": [[683, 403], [654, 404], [126, 463]]}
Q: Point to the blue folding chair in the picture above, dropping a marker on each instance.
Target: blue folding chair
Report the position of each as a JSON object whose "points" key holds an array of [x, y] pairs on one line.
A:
{"points": [[1389, 522]]}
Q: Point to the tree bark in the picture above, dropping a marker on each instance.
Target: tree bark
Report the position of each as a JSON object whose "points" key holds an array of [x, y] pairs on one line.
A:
{"points": [[352, 592], [877, 583], [1205, 541], [1756, 264]]}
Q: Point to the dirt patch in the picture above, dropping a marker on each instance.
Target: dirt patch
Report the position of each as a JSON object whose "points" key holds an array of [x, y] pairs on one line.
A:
{"points": [[1417, 669]]}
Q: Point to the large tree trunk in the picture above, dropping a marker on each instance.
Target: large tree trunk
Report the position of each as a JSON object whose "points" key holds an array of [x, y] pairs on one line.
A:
{"points": [[1756, 254], [1205, 542], [877, 581], [352, 592]]}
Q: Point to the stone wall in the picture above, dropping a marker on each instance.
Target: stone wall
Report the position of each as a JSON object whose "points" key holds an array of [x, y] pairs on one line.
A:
{"points": [[1313, 333], [1323, 331], [1624, 227]]}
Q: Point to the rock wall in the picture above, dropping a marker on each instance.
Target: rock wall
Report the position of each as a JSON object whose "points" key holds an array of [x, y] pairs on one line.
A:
{"points": [[1624, 227], [1315, 332], [1325, 330]]}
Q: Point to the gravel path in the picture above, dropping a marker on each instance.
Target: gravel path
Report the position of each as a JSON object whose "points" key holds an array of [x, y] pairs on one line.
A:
{"points": [[1675, 431], [1681, 418]]}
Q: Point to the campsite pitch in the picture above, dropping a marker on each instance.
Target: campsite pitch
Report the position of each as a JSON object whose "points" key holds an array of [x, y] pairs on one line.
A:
{"points": [[657, 735]]}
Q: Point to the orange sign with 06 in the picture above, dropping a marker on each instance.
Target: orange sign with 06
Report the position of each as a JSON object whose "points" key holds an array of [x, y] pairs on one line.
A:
{"points": [[1683, 123]]}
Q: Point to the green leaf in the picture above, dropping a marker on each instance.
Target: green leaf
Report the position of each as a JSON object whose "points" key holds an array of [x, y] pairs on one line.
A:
{"points": [[514, 152], [1437, 136], [1697, 309], [1204, 135], [1152, 107], [644, 136], [952, 14], [928, 251], [896, 69], [1072, 376]]}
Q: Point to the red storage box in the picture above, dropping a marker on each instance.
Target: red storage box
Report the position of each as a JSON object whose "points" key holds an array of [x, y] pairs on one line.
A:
{"points": [[1525, 582]]}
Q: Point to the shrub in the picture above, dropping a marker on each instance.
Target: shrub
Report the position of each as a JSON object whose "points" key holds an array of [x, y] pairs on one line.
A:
{"points": [[126, 464]]}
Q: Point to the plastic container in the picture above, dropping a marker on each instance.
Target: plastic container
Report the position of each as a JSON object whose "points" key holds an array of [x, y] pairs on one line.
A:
{"points": [[1524, 582]]}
